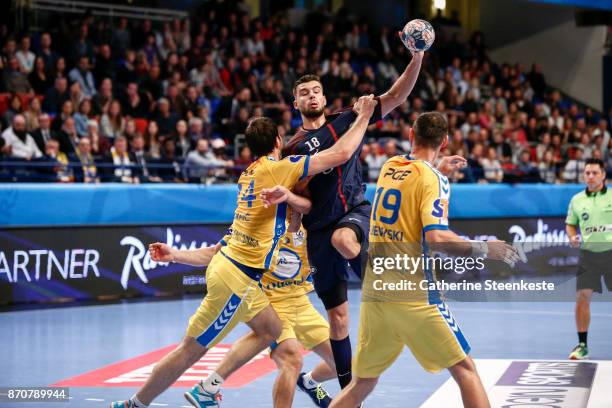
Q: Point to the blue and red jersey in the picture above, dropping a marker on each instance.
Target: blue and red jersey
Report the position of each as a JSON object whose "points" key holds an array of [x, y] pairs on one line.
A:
{"points": [[337, 190]]}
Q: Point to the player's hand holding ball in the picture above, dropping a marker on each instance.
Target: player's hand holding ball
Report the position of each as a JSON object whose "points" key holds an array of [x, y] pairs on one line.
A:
{"points": [[418, 35]]}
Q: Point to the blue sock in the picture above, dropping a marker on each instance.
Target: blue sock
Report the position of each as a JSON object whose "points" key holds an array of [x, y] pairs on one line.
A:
{"points": [[342, 358]]}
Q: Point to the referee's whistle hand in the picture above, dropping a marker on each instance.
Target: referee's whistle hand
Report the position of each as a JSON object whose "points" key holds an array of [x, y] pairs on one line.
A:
{"points": [[575, 241]]}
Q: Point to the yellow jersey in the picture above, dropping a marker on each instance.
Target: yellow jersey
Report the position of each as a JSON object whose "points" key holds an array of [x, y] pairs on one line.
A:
{"points": [[256, 230], [411, 198], [289, 275]]}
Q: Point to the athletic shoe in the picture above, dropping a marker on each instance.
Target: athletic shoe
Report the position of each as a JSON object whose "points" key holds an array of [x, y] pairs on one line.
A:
{"points": [[580, 352], [122, 404], [318, 395], [202, 399]]}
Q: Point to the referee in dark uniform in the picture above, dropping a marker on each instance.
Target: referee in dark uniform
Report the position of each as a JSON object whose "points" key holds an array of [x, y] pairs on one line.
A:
{"points": [[591, 212]]}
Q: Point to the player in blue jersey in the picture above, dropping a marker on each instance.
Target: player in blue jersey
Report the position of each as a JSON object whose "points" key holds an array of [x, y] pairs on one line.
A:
{"points": [[338, 223]]}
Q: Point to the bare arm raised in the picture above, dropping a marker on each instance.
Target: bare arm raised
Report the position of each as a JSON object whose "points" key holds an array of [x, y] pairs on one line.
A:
{"points": [[402, 87]]}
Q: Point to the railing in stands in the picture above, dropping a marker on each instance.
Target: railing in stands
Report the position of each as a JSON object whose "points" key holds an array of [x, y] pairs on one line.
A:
{"points": [[43, 170], [106, 10]]}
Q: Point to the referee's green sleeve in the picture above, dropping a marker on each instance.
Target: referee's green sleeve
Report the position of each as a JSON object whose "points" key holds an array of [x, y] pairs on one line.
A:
{"points": [[571, 218]]}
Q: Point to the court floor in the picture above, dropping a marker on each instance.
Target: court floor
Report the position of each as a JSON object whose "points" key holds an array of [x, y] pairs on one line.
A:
{"points": [[112, 345]]}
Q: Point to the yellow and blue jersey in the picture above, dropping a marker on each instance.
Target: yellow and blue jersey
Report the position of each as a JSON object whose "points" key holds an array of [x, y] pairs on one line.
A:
{"points": [[289, 275], [256, 230], [411, 198]]}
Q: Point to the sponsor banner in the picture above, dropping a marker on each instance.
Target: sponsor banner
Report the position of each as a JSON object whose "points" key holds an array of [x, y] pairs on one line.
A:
{"points": [[545, 373], [564, 384], [68, 263], [541, 397], [542, 241], [135, 371], [545, 270], [50, 264], [535, 383]]}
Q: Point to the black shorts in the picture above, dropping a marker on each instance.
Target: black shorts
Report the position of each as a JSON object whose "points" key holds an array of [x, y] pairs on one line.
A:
{"points": [[592, 267], [329, 267]]}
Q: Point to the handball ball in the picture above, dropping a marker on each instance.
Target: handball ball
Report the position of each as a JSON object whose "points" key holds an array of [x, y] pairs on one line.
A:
{"points": [[418, 35]]}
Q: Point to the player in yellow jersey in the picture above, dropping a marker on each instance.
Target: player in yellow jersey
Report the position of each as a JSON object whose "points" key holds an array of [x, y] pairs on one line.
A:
{"points": [[233, 274], [409, 214], [286, 284]]}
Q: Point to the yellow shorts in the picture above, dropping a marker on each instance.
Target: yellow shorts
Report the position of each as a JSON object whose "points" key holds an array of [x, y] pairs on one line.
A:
{"points": [[300, 321], [430, 331], [231, 297]]}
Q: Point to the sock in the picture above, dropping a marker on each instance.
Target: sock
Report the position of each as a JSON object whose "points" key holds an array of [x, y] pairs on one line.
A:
{"points": [[342, 358], [137, 402], [582, 337], [212, 384], [309, 383]]}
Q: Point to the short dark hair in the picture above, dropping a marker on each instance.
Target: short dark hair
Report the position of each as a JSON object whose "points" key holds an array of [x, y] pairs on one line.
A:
{"points": [[598, 162], [306, 78], [261, 136], [120, 138], [430, 129]]}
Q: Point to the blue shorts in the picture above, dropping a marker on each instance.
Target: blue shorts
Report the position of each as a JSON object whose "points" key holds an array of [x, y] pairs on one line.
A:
{"points": [[329, 268]]}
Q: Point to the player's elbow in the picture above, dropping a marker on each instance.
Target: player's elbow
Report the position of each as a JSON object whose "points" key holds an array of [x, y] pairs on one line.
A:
{"points": [[389, 101], [391, 98], [305, 210], [307, 207]]}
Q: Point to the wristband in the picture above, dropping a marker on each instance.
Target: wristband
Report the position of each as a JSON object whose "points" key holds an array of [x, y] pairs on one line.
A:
{"points": [[480, 249]]}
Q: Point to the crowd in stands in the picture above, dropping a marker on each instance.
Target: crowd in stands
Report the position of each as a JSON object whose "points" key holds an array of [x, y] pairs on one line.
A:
{"points": [[141, 102]]}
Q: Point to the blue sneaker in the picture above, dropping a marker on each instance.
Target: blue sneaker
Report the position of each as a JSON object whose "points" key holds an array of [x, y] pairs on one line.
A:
{"points": [[122, 404], [202, 399], [318, 395]]}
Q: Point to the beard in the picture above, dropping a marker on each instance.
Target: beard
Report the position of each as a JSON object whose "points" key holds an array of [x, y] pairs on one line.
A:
{"points": [[312, 113]]}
